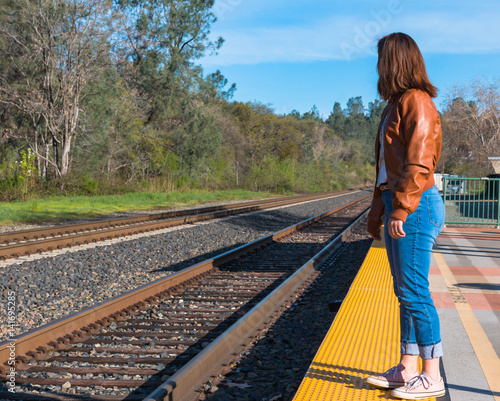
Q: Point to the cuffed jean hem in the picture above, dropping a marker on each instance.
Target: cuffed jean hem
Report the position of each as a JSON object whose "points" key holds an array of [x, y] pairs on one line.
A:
{"points": [[425, 351], [409, 348], [431, 351]]}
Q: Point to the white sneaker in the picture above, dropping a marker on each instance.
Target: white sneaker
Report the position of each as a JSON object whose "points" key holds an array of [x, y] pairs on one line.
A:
{"points": [[393, 378], [420, 387]]}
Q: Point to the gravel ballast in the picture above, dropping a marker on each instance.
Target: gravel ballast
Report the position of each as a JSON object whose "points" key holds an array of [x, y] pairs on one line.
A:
{"points": [[274, 367], [52, 286]]}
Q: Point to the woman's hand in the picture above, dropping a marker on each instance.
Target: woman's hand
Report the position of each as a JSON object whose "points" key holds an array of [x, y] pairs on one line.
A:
{"points": [[395, 228]]}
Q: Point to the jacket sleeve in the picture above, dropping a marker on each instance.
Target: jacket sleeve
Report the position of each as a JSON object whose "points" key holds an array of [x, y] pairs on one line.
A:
{"points": [[420, 131], [376, 213]]}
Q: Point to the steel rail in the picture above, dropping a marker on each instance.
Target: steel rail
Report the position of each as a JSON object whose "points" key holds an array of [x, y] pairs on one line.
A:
{"points": [[36, 233], [81, 325], [208, 363], [78, 234]]}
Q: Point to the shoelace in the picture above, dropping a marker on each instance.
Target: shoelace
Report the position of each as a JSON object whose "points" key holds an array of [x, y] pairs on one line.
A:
{"points": [[392, 371], [419, 381]]}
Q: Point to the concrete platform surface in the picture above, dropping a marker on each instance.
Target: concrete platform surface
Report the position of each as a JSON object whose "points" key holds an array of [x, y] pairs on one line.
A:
{"points": [[465, 285]]}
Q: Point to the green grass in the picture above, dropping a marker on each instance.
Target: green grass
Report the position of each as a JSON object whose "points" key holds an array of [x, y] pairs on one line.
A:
{"points": [[59, 208]]}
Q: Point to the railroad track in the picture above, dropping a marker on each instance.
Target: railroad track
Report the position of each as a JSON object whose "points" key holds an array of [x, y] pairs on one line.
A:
{"points": [[163, 340], [20, 243]]}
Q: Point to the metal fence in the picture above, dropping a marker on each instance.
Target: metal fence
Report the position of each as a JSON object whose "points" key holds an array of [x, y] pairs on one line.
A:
{"points": [[472, 200]]}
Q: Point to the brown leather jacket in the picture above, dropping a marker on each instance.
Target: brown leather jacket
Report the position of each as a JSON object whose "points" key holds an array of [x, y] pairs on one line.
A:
{"points": [[412, 147]]}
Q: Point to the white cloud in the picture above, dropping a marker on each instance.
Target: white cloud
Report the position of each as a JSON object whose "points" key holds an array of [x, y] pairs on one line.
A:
{"points": [[349, 37]]}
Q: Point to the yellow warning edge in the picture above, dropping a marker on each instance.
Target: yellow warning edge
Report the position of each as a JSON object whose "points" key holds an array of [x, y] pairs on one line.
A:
{"points": [[363, 339]]}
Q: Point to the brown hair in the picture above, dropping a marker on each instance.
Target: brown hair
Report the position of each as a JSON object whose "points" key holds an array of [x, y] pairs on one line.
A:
{"points": [[401, 67]]}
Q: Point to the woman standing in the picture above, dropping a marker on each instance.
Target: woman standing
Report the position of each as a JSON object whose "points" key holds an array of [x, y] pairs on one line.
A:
{"points": [[408, 147]]}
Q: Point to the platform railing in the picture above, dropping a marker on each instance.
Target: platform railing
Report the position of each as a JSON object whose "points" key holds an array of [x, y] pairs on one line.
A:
{"points": [[472, 200]]}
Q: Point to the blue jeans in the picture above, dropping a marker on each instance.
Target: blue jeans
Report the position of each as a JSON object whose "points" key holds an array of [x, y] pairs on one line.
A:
{"points": [[410, 259]]}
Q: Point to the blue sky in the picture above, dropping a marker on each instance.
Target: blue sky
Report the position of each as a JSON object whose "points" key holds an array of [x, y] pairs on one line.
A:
{"points": [[293, 54]]}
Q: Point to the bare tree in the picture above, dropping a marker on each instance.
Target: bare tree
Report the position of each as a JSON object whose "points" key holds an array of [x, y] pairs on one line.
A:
{"points": [[52, 48], [471, 125]]}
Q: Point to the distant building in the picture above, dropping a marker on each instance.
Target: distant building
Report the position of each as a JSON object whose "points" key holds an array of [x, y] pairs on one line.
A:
{"points": [[495, 164]]}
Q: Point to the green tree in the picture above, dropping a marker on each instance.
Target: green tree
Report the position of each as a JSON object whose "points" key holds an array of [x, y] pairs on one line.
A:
{"points": [[165, 38], [337, 120], [295, 114], [312, 114], [54, 49], [196, 140], [215, 87], [356, 124]]}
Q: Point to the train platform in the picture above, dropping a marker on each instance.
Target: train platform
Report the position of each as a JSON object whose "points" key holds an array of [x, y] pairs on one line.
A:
{"points": [[364, 337]]}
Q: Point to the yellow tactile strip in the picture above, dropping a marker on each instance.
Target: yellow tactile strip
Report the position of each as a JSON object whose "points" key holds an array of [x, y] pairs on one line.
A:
{"points": [[363, 339]]}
